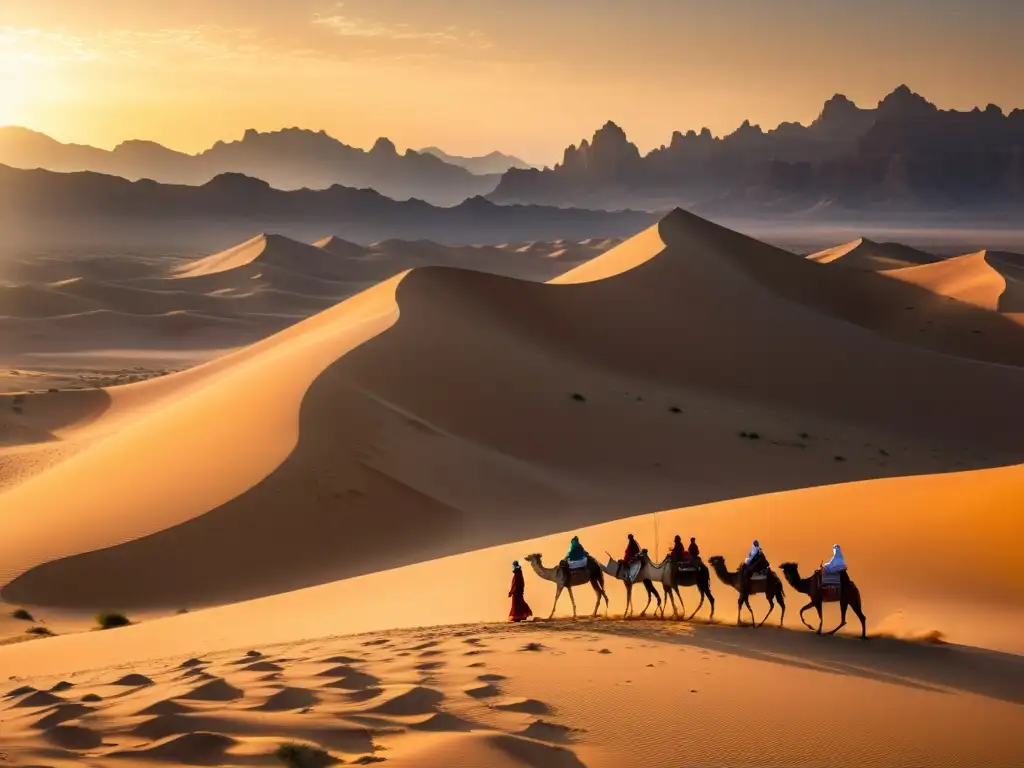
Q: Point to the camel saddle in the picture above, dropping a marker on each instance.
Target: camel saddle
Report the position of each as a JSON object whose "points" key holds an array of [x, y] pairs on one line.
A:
{"points": [[831, 585], [633, 570], [577, 565], [688, 564]]}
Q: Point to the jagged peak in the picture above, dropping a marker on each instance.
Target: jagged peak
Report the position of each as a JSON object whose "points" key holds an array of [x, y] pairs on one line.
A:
{"points": [[384, 146]]}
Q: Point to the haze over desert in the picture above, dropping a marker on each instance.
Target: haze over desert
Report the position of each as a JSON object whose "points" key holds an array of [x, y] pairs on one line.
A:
{"points": [[281, 418]]}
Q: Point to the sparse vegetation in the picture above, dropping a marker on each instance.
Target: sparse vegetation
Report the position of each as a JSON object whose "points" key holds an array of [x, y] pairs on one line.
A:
{"points": [[804, 436], [22, 615], [111, 620], [578, 397], [883, 451], [181, 611], [40, 631], [751, 435], [296, 755], [839, 458], [675, 409]]}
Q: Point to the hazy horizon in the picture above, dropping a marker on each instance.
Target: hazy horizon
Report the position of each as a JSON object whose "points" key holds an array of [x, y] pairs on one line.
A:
{"points": [[471, 78]]}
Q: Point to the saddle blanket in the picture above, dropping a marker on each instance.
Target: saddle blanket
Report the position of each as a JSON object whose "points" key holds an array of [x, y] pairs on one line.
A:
{"points": [[830, 593], [686, 566], [577, 564], [759, 575], [831, 579], [633, 571]]}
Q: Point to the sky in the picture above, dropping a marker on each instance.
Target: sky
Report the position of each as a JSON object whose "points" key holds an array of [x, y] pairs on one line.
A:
{"points": [[527, 77]]}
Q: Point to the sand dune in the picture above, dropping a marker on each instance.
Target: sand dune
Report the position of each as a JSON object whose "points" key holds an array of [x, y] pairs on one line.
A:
{"points": [[690, 381], [348, 398], [869, 256]]}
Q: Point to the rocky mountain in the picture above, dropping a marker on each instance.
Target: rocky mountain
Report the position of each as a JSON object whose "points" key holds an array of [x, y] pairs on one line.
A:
{"points": [[903, 156], [36, 201], [494, 162], [288, 159]]}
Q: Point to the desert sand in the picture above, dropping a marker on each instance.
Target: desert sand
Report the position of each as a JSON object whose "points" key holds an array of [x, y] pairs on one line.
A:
{"points": [[375, 468]]}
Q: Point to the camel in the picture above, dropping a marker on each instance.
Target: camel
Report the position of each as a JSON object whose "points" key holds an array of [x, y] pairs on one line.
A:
{"points": [[770, 586], [849, 597], [565, 578], [616, 571], [672, 579]]}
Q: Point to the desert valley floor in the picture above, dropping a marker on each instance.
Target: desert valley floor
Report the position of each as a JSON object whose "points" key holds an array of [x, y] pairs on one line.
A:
{"points": [[303, 472]]}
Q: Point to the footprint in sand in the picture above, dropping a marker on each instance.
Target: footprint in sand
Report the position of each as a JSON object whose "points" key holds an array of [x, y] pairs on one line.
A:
{"points": [[491, 678], [73, 737], [340, 660], [62, 713], [198, 748], [535, 753], [357, 697], [166, 707], [133, 681], [415, 701], [445, 722], [524, 706], [288, 699], [486, 691], [39, 699], [542, 730], [217, 689], [476, 665]]}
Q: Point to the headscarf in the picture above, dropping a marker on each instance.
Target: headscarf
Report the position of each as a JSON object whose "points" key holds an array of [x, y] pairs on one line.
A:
{"points": [[515, 565], [757, 543]]}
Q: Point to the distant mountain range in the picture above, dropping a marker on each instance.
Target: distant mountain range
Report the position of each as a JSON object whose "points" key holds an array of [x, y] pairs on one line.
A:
{"points": [[904, 156], [34, 200], [493, 163], [289, 159]]}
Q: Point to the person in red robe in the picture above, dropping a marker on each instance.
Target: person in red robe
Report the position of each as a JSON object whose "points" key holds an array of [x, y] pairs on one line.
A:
{"points": [[520, 609]]}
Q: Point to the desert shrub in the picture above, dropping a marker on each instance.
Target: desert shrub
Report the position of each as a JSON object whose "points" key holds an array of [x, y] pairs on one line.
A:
{"points": [[40, 631], [578, 397], [295, 755], [22, 615], [111, 620]]}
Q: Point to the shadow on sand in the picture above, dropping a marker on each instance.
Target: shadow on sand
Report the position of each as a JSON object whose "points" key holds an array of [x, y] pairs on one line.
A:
{"points": [[940, 668]]}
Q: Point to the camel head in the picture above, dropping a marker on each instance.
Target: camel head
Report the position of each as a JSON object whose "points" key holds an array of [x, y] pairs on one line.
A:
{"points": [[717, 560], [790, 567], [534, 558]]}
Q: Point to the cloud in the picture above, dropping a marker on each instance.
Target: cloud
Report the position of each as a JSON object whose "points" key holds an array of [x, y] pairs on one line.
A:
{"points": [[369, 30]]}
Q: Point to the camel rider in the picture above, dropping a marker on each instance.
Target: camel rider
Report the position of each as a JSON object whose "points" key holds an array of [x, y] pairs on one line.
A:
{"points": [[576, 551], [678, 552], [753, 559], [837, 565], [693, 549], [631, 555]]}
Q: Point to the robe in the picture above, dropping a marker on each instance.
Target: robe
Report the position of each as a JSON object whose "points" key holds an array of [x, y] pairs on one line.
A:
{"points": [[694, 550], [754, 552], [677, 552], [632, 552], [837, 563], [520, 609]]}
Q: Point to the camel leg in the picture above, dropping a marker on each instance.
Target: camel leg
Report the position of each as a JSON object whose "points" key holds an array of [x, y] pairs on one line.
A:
{"points": [[753, 618], [782, 605], [698, 606], [629, 600], [820, 619], [739, 612], [806, 608], [558, 594], [648, 591], [682, 605], [572, 600], [670, 596], [771, 607], [711, 599], [842, 617], [857, 609]]}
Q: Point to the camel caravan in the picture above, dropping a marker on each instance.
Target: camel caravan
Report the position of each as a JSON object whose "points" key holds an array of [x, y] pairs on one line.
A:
{"points": [[683, 567]]}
